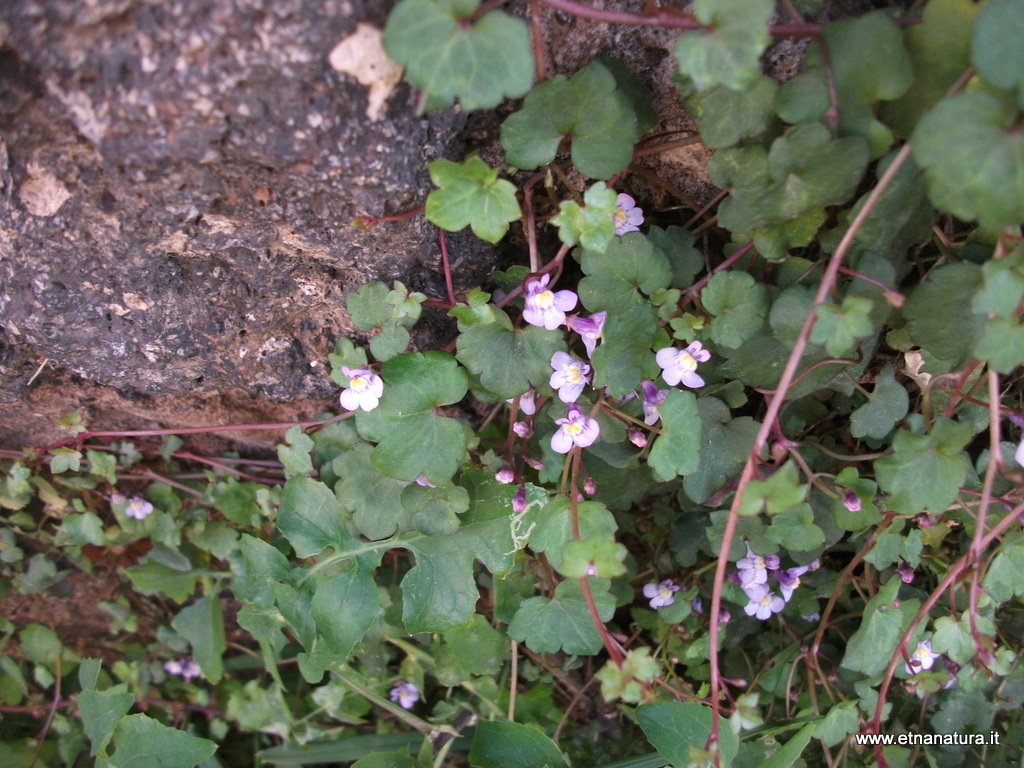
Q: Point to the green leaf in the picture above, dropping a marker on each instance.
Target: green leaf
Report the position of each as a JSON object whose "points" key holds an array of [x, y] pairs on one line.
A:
{"points": [[995, 47], [839, 328], [1002, 344], [479, 62], [841, 720], [564, 622], [972, 153], [724, 115], [1002, 286], [603, 108], [435, 510], [476, 649], [512, 745], [627, 681], [1005, 577], [625, 350], [805, 170], [202, 624], [900, 219], [509, 361], [344, 606], [925, 471], [555, 529], [375, 500], [874, 643], [728, 50], [677, 245], [790, 752], [65, 459], [777, 493], [593, 226], [471, 194], [674, 727], [151, 577], [940, 49], [614, 278], [725, 445], [310, 517], [945, 294], [412, 439], [954, 638], [391, 340], [677, 450], [596, 555], [261, 567], [886, 408], [368, 308], [775, 240], [142, 742], [795, 529], [739, 305], [101, 712], [103, 464], [295, 455]]}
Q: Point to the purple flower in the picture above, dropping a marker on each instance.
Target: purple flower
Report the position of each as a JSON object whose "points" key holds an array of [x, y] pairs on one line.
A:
{"points": [[906, 571], [422, 480], [680, 365], [851, 500], [589, 329], [522, 429], [1018, 455], [723, 615], [186, 669], [653, 397], [922, 658], [754, 568], [364, 390], [662, 594], [519, 500], [138, 508], [574, 429], [627, 216], [789, 580], [527, 402], [763, 602], [570, 376], [504, 476], [697, 605], [406, 694], [546, 308]]}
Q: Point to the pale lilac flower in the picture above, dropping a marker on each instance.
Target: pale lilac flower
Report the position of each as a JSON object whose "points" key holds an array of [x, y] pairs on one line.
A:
{"points": [[589, 329], [653, 397], [504, 476], [186, 669], [680, 365], [789, 580], [522, 429], [527, 402], [851, 500], [570, 377], [364, 391], [519, 500], [636, 437], [697, 605], [812, 617], [661, 595], [574, 429], [723, 615], [138, 508], [406, 694], [1018, 455], [763, 602], [628, 217], [753, 569], [922, 658], [546, 308], [117, 498], [906, 571], [422, 480]]}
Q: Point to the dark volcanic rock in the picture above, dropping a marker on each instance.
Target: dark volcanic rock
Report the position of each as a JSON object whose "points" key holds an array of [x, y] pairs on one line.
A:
{"points": [[176, 185]]}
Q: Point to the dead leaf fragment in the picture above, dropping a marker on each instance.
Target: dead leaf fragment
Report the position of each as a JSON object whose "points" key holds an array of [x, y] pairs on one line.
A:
{"points": [[362, 55]]}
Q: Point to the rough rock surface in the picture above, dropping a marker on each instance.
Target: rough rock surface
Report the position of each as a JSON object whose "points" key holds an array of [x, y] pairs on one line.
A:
{"points": [[176, 186]]}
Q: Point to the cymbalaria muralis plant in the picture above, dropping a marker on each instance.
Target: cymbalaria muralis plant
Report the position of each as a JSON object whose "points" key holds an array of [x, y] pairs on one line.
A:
{"points": [[725, 487]]}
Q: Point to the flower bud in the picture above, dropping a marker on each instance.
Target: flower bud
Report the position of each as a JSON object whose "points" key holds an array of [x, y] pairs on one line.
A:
{"points": [[637, 438], [519, 500], [851, 500], [906, 572], [589, 486], [504, 476], [532, 462], [522, 429]]}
